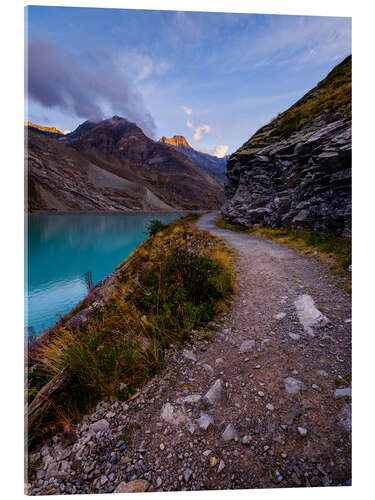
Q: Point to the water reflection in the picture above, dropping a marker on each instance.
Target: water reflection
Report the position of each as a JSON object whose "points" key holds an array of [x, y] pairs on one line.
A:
{"points": [[61, 248]]}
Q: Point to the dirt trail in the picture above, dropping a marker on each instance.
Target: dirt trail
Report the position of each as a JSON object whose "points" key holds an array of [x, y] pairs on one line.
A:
{"points": [[278, 413]]}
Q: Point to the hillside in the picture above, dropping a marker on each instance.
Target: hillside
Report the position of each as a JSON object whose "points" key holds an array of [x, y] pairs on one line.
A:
{"points": [[112, 166], [211, 164], [167, 172], [296, 171]]}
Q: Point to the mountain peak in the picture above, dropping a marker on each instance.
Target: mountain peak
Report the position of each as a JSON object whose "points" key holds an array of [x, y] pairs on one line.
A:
{"points": [[176, 140]]}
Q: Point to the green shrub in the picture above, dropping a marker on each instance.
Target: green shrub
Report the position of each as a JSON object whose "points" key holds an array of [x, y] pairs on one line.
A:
{"points": [[154, 226]]}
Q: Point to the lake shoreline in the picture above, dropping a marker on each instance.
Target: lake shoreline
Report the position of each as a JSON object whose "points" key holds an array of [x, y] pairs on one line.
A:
{"points": [[102, 212]]}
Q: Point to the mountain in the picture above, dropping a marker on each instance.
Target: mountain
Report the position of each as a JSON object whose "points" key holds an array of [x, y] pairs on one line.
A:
{"points": [[46, 130], [113, 166], [296, 171], [209, 163]]}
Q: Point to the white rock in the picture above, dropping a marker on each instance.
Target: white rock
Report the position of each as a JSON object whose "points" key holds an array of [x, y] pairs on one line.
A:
{"points": [[293, 386], [343, 392], [189, 355], [205, 421], [247, 346], [279, 316], [309, 316], [172, 416], [219, 361], [322, 373], [208, 368], [191, 427], [346, 417], [270, 407], [302, 431], [229, 433], [99, 426], [214, 392], [294, 336], [221, 466], [193, 398]]}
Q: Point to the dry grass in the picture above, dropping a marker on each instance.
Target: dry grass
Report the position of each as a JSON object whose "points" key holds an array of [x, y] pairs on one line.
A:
{"points": [[177, 280], [334, 251]]}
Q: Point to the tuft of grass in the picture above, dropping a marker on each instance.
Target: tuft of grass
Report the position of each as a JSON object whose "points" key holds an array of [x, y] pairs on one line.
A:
{"points": [[334, 251], [178, 279]]}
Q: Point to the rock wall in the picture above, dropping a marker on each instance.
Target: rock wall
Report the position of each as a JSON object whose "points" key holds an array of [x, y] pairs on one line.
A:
{"points": [[303, 181]]}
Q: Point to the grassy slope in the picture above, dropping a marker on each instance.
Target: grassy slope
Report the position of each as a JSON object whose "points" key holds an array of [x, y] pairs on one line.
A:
{"points": [[179, 279], [334, 251], [333, 93]]}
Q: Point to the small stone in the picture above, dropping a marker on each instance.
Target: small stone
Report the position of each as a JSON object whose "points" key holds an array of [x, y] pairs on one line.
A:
{"points": [[295, 479], [206, 453], [343, 392], [205, 421], [191, 427], [257, 367], [261, 394], [293, 386], [294, 336], [219, 361], [221, 466], [214, 392], [270, 407], [284, 455], [99, 426], [322, 373], [189, 355], [213, 461], [279, 316], [302, 431], [162, 446], [159, 482], [229, 433], [316, 388], [246, 440], [187, 475], [247, 346], [136, 486]]}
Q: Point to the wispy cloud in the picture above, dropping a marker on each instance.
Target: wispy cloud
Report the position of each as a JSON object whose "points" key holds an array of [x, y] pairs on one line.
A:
{"points": [[138, 67], [198, 131], [187, 110], [93, 90], [221, 151]]}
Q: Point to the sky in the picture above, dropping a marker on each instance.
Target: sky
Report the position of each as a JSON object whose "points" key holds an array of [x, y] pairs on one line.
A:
{"points": [[214, 78]]}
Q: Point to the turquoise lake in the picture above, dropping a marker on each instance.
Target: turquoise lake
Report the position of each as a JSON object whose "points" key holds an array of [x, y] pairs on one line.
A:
{"points": [[60, 249]]}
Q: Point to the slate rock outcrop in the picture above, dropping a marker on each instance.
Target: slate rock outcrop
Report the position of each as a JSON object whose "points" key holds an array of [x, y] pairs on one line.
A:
{"points": [[298, 178]]}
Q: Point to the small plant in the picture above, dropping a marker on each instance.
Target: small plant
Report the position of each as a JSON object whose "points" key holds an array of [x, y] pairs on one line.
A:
{"points": [[154, 226]]}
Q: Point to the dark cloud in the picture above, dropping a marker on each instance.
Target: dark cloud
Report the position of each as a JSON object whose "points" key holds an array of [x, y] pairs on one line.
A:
{"points": [[92, 87]]}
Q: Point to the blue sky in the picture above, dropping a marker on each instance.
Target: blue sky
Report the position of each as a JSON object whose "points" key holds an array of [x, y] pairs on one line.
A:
{"points": [[213, 77]]}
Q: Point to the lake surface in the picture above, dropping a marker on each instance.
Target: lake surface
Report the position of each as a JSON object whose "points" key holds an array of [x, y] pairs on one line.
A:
{"points": [[62, 248]]}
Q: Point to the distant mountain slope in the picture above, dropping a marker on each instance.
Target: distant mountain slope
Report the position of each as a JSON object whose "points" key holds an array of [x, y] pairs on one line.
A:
{"points": [[211, 164], [46, 130], [296, 171], [164, 170], [112, 166], [62, 180]]}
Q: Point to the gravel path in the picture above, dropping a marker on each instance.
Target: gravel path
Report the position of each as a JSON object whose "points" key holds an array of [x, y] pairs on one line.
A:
{"points": [[265, 403]]}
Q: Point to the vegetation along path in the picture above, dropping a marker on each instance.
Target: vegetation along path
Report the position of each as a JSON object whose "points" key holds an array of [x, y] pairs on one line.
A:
{"points": [[265, 402]]}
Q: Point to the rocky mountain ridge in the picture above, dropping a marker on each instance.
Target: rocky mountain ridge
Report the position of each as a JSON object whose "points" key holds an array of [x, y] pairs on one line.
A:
{"points": [[296, 171], [209, 163], [113, 166]]}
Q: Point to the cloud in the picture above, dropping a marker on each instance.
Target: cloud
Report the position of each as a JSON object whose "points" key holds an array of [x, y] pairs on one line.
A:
{"points": [[91, 87], [140, 66], [221, 151], [187, 110], [198, 131]]}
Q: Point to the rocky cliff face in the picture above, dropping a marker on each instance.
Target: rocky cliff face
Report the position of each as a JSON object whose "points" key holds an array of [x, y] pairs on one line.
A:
{"points": [[296, 171], [209, 163]]}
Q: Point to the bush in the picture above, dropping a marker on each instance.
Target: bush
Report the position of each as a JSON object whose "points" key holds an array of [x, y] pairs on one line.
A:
{"points": [[154, 226]]}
